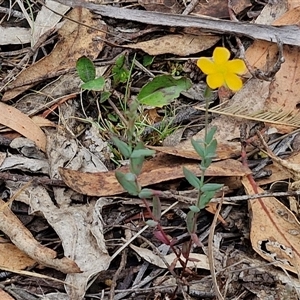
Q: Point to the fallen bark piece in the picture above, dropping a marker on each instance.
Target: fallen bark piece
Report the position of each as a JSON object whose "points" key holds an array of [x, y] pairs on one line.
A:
{"points": [[287, 34], [25, 241]]}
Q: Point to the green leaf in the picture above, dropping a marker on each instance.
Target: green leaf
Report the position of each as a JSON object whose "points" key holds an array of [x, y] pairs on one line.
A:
{"points": [[210, 134], [136, 165], [85, 69], [192, 178], [136, 161], [128, 182], [207, 92], [156, 211], [213, 187], [205, 198], [112, 117], [211, 149], [147, 60], [190, 221], [119, 71], [146, 193], [162, 90], [198, 146], [94, 85], [151, 223], [205, 163], [104, 96], [141, 152], [194, 208], [122, 146], [120, 61]]}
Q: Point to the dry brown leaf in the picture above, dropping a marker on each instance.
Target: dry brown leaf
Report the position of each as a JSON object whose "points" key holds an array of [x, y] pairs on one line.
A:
{"points": [[75, 41], [212, 208], [219, 8], [200, 261], [161, 168], [284, 89], [13, 258], [179, 44], [5, 296], [274, 231], [42, 122], [293, 3], [16, 120], [24, 240], [186, 150], [164, 6]]}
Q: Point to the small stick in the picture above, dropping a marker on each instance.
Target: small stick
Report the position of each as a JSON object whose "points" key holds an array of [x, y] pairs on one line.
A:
{"points": [[211, 253]]}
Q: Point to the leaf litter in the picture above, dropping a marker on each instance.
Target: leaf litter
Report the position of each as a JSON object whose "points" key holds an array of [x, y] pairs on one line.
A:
{"points": [[67, 136]]}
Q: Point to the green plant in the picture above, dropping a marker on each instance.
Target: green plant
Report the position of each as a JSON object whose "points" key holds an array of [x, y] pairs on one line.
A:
{"points": [[87, 73], [159, 92], [120, 72]]}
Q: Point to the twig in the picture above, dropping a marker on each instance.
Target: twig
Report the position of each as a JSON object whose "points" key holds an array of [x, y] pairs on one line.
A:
{"points": [[117, 274], [287, 34], [191, 200], [35, 179], [211, 253], [190, 7]]}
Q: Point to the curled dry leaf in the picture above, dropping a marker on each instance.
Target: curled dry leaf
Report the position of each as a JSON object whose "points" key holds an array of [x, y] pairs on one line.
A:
{"points": [[161, 168], [24, 240], [275, 231], [16, 120]]}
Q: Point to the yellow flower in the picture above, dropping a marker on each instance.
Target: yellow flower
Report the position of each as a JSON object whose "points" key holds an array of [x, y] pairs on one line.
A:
{"points": [[221, 71]]}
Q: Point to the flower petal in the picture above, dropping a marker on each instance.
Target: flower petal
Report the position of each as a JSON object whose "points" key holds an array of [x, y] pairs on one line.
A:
{"points": [[206, 65], [221, 55], [233, 82], [215, 80], [236, 66]]}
